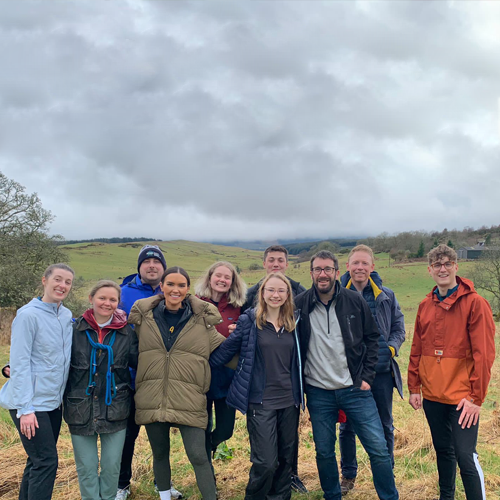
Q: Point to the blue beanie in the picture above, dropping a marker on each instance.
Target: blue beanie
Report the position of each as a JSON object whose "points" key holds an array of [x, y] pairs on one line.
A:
{"points": [[151, 252]]}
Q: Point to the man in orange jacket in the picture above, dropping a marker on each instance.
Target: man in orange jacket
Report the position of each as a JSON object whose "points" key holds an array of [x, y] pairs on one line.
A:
{"points": [[449, 371]]}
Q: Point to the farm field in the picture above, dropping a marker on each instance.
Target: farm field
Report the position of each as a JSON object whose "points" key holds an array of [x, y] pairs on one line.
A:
{"points": [[415, 470]]}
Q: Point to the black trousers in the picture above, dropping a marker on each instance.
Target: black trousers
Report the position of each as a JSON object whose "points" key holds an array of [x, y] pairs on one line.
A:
{"points": [[224, 424], [128, 449], [41, 466], [273, 437], [454, 445], [194, 444]]}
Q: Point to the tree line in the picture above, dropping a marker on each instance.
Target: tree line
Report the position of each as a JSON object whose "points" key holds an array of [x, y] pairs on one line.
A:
{"points": [[27, 248]]}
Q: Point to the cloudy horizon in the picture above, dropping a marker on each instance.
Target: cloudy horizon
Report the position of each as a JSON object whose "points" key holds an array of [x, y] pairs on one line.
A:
{"points": [[253, 120]]}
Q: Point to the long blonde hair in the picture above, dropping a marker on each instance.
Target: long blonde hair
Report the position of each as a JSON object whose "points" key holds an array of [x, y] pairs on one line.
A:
{"points": [[286, 317], [237, 293]]}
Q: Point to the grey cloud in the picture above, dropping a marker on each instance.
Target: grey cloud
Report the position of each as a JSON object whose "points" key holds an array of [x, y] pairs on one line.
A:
{"points": [[287, 118]]}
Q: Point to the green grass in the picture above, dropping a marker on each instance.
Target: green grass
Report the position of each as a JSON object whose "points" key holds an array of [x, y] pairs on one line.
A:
{"points": [[415, 471]]}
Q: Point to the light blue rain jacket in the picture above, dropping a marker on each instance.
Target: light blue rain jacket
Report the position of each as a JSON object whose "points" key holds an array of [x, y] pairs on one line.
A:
{"points": [[40, 354]]}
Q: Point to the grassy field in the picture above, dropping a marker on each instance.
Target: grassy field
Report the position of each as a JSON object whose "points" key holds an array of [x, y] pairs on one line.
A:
{"points": [[415, 469]]}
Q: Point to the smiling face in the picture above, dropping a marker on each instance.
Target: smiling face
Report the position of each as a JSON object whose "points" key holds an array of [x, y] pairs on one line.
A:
{"points": [[275, 293], [150, 272], [324, 275], [221, 279], [175, 289], [104, 303], [275, 262], [57, 286], [444, 273], [360, 266]]}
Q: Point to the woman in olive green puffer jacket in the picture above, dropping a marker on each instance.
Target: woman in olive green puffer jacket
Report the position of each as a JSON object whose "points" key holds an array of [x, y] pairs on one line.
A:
{"points": [[176, 336]]}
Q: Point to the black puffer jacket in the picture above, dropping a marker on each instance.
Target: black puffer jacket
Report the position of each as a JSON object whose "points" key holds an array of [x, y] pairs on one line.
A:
{"points": [[89, 414], [251, 301], [359, 331]]}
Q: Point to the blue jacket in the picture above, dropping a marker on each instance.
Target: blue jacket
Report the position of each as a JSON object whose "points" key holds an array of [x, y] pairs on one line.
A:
{"points": [[134, 289], [40, 354], [390, 323], [250, 378]]}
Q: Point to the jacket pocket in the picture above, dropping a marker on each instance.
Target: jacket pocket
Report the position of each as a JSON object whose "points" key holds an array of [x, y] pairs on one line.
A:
{"points": [[119, 409], [77, 410]]}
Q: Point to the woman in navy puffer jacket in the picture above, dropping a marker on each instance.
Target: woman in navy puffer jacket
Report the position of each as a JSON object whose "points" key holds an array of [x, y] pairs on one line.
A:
{"points": [[267, 385]]}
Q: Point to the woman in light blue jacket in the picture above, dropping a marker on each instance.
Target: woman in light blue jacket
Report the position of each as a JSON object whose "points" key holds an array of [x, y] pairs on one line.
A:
{"points": [[40, 354]]}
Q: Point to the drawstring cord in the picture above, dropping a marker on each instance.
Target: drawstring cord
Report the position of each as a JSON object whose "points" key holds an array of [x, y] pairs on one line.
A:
{"points": [[110, 376]]}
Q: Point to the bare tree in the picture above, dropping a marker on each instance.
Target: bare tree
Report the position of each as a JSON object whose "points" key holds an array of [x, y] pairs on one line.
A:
{"points": [[26, 248], [486, 276]]}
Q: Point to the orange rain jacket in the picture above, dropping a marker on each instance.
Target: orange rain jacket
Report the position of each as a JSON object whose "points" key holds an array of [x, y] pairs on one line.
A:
{"points": [[453, 347]]}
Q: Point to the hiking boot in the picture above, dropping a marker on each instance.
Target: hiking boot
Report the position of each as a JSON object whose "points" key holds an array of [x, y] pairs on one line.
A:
{"points": [[174, 493], [298, 485], [123, 494], [347, 484]]}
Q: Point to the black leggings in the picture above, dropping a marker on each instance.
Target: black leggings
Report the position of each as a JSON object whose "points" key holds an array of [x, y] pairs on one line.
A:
{"points": [[454, 445], [41, 466], [194, 444]]}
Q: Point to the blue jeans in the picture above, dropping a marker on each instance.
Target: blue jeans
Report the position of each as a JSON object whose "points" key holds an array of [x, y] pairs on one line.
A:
{"points": [[361, 410], [382, 389]]}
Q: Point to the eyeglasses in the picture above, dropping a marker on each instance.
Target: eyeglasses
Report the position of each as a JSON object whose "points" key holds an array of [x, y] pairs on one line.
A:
{"points": [[272, 291], [328, 270], [438, 265]]}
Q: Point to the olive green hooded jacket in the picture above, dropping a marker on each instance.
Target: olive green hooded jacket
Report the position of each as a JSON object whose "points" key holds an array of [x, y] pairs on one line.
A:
{"points": [[171, 385]]}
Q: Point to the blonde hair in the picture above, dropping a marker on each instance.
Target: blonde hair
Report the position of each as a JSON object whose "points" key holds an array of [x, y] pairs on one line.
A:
{"points": [[105, 284], [362, 248], [237, 293], [286, 317]]}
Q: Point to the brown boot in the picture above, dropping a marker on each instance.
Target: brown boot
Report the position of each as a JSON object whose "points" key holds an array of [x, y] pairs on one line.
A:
{"points": [[347, 484]]}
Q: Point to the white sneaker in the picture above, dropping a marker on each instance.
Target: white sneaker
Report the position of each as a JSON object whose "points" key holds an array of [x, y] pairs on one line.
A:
{"points": [[122, 494], [174, 493]]}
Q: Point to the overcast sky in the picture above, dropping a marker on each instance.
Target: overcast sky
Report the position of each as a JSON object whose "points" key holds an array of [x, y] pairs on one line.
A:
{"points": [[253, 119]]}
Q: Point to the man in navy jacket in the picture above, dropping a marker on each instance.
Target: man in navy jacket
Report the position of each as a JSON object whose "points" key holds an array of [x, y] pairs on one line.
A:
{"points": [[362, 277]]}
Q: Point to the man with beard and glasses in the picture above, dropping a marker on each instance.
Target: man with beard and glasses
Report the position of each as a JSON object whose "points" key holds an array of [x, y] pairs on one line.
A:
{"points": [[339, 348]]}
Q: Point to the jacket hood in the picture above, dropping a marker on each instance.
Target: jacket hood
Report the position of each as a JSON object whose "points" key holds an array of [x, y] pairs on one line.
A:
{"points": [[128, 279], [119, 320], [48, 307], [465, 286], [346, 277], [199, 307]]}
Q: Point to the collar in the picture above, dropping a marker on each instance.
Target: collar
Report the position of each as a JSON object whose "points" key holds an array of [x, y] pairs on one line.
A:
{"points": [[450, 291], [316, 298], [376, 290]]}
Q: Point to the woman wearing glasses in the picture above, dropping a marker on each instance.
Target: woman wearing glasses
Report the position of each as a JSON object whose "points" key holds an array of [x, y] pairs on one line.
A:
{"points": [[267, 385]]}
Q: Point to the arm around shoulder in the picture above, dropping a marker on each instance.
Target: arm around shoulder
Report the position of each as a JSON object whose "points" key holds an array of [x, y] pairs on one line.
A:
{"points": [[232, 345]]}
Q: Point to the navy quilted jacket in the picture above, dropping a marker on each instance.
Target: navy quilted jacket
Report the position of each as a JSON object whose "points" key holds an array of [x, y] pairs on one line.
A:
{"points": [[249, 380], [390, 322]]}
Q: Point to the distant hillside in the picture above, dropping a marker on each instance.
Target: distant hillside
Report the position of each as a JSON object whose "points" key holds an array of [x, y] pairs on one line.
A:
{"points": [[107, 240], [290, 244], [297, 248]]}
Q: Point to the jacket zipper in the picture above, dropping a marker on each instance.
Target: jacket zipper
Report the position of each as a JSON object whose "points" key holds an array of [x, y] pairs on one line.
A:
{"points": [[61, 392], [300, 364]]}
